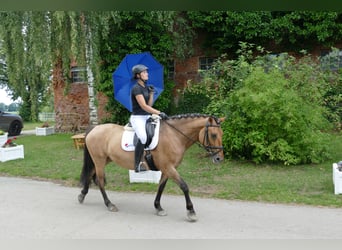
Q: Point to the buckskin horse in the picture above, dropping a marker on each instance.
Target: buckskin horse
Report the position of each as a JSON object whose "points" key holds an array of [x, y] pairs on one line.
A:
{"points": [[177, 134]]}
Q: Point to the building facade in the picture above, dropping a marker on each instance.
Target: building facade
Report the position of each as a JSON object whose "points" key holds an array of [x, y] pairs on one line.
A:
{"points": [[72, 109]]}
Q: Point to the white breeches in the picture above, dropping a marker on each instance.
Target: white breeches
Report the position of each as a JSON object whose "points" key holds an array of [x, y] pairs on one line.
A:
{"points": [[139, 125]]}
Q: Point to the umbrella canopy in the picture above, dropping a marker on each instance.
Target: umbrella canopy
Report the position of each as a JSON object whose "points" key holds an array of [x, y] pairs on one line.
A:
{"points": [[123, 78]]}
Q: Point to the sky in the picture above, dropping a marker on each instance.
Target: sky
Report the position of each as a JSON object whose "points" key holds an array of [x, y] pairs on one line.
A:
{"points": [[4, 98]]}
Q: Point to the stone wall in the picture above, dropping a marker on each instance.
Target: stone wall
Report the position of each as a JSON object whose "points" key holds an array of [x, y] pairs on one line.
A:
{"points": [[71, 107], [71, 103], [102, 101], [186, 70]]}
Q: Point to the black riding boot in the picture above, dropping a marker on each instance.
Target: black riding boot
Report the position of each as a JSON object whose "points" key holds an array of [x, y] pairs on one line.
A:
{"points": [[139, 150]]}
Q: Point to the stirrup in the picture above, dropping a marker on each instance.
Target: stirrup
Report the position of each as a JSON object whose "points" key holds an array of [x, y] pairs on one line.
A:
{"points": [[140, 168]]}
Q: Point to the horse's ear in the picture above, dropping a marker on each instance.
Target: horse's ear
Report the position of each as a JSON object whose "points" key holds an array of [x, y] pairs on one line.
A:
{"points": [[222, 119]]}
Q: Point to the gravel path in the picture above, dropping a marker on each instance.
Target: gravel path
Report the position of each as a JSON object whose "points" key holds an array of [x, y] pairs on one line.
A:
{"points": [[44, 210]]}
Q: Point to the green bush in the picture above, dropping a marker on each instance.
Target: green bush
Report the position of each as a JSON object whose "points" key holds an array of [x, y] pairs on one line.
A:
{"points": [[333, 95], [164, 101], [269, 120], [333, 101], [191, 102], [224, 76], [278, 108]]}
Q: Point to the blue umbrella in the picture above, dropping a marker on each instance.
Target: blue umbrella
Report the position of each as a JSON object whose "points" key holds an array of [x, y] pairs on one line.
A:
{"points": [[123, 78]]}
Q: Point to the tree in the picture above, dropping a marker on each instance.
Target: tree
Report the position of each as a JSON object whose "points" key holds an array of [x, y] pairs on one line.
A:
{"points": [[290, 30], [3, 67], [35, 43], [13, 107], [3, 106], [26, 44], [138, 32]]}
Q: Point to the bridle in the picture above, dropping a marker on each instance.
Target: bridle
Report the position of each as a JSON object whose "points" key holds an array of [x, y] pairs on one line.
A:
{"points": [[212, 150]]}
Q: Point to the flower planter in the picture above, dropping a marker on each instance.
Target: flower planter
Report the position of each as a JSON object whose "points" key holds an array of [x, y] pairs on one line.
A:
{"points": [[146, 176], [11, 153], [3, 139], [337, 179], [45, 131]]}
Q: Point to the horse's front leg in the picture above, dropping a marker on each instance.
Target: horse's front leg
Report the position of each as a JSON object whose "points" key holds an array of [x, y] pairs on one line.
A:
{"points": [[189, 206], [184, 187], [162, 184]]}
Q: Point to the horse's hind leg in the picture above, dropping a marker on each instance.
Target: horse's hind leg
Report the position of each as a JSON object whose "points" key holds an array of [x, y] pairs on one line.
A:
{"points": [[84, 192], [86, 184], [101, 182], [162, 184]]}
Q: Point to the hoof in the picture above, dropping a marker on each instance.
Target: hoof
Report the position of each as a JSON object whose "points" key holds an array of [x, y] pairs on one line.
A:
{"points": [[81, 198], [112, 208], [192, 217], [161, 212]]}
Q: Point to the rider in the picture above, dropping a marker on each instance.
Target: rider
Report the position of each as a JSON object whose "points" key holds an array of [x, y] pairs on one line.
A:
{"points": [[142, 100]]}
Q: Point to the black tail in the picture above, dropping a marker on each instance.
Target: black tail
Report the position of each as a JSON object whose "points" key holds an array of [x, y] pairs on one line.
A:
{"points": [[88, 167]]}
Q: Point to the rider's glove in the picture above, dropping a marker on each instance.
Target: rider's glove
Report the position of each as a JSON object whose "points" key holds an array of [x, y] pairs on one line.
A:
{"points": [[151, 88], [163, 116]]}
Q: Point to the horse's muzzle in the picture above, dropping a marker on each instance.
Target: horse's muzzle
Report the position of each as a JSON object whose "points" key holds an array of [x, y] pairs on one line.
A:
{"points": [[217, 158]]}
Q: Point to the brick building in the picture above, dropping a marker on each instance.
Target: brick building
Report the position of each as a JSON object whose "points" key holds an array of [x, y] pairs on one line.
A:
{"points": [[72, 110]]}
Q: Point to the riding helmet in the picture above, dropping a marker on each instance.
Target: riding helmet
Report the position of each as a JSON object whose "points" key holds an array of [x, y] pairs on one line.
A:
{"points": [[137, 69]]}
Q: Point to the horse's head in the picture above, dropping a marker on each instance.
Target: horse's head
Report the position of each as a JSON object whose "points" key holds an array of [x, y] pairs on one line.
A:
{"points": [[211, 138]]}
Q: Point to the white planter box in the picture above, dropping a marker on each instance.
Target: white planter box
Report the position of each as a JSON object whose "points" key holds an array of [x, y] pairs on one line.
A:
{"points": [[3, 139], [146, 176], [45, 131], [337, 179], [11, 153]]}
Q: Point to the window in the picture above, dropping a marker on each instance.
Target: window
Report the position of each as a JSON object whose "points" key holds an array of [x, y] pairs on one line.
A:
{"points": [[331, 60], [205, 63], [170, 69], [78, 74]]}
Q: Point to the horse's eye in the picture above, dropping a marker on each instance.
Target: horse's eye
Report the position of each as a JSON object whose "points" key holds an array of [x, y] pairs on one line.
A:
{"points": [[213, 136]]}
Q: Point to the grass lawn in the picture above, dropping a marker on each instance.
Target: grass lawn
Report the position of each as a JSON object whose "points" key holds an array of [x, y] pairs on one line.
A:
{"points": [[54, 158], [33, 125]]}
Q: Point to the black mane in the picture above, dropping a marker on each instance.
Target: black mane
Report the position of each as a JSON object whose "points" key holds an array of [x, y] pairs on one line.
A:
{"points": [[193, 115]]}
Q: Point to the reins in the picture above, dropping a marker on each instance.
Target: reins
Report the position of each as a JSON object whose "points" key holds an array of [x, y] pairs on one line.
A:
{"points": [[212, 150]]}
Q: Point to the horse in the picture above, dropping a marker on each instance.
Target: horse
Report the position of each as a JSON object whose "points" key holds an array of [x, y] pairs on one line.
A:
{"points": [[177, 134]]}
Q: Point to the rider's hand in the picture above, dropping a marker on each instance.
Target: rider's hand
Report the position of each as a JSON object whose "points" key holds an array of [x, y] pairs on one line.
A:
{"points": [[163, 116], [151, 89]]}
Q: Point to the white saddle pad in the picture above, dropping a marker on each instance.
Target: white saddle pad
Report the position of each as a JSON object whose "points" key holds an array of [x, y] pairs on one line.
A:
{"points": [[128, 137]]}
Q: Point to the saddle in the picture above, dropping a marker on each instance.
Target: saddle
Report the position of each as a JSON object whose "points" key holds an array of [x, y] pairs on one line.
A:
{"points": [[129, 138], [150, 129]]}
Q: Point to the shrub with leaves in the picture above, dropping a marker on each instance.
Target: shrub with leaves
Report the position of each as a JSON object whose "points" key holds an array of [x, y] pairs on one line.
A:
{"points": [[224, 76], [333, 95], [269, 120], [277, 107]]}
